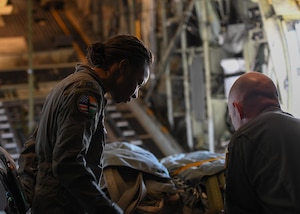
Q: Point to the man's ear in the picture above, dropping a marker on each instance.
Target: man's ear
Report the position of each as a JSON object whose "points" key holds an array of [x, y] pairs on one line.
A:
{"points": [[124, 65], [239, 109]]}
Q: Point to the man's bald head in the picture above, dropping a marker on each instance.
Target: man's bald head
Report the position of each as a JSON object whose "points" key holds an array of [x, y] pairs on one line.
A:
{"points": [[251, 94]]}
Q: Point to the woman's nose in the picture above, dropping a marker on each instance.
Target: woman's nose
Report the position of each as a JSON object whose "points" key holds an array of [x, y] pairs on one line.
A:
{"points": [[135, 94]]}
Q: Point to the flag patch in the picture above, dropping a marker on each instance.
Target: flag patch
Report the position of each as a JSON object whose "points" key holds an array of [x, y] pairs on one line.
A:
{"points": [[87, 104]]}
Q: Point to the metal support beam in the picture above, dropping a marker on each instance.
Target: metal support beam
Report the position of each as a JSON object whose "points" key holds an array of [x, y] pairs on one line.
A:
{"points": [[161, 68], [131, 8], [30, 68], [201, 7], [163, 140], [186, 87]]}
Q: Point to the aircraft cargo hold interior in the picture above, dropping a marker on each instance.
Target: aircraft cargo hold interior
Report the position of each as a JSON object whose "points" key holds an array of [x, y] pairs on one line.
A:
{"points": [[200, 47]]}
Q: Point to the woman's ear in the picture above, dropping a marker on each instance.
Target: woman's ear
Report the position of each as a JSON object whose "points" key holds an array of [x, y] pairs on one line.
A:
{"points": [[124, 65]]}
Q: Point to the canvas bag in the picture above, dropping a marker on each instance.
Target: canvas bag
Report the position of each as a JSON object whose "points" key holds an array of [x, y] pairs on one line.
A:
{"points": [[199, 177], [135, 179]]}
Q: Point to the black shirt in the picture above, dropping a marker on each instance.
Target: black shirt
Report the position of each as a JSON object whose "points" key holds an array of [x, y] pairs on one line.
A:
{"points": [[263, 173]]}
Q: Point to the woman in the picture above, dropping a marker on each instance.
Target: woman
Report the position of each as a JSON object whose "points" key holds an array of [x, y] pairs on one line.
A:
{"points": [[70, 135]]}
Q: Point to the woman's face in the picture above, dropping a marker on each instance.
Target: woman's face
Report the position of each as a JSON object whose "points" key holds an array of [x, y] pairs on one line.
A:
{"points": [[130, 80]]}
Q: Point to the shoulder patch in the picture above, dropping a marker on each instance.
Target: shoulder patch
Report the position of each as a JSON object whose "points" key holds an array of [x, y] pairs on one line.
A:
{"points": [[87, 104]]}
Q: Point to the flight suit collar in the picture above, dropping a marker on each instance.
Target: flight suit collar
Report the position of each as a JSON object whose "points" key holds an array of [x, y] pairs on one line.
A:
{"points": [[86, 68]]}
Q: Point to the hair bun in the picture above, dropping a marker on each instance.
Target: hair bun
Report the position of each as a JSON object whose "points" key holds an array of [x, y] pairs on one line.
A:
{"points": [[99, 48], [96, 55]]}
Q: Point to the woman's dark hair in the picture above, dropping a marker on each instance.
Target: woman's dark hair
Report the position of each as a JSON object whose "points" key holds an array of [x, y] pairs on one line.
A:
{"points": [[116, 48]]}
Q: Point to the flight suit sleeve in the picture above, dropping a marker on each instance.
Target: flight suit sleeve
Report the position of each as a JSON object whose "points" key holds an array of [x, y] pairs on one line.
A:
{"points": [[79, 118], [28, 165]]}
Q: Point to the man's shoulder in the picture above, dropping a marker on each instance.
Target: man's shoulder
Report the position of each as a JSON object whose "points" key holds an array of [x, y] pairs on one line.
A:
{"points": [[268, 125], [270, 118]]}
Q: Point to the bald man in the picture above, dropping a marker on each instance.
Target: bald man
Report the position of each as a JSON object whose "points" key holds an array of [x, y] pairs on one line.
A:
{"points": [[263, 172]]}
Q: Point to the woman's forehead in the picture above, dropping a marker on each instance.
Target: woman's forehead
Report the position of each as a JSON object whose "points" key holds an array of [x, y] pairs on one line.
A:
{"points": [[143, 74]]}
